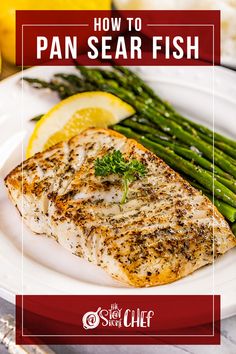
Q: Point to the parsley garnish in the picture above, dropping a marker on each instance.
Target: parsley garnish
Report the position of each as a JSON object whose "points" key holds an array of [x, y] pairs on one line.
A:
{"points": [[115, 163]]}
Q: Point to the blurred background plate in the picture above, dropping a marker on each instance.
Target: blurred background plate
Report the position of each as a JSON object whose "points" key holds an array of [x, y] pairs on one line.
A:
{"points": [[228, 18]]}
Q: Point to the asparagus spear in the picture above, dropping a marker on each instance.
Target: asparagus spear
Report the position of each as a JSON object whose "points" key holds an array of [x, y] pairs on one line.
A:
{"points": [[122, 80], [77, 82], [222, 176], [220, 146], [143, 128], [63, 90], [148, 100], [138, 82], [180, 164], [168, 126], [233, 228], [225, 209], [80, 86], [193, 157], [231, 184], [36, 118], [179, 118], [161, 109], [142, 120], [226, 148], [174, 129], [65, 85], [205, 133], [142, 96], [209, 133], [213, 143], [161, 138], [227, 152]]}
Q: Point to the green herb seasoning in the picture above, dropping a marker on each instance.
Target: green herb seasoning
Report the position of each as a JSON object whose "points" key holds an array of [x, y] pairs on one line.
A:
{"points": [[115, 163]]}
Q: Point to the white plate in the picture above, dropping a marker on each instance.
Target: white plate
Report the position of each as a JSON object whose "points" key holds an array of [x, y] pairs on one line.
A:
{"points": [[46, 268]]}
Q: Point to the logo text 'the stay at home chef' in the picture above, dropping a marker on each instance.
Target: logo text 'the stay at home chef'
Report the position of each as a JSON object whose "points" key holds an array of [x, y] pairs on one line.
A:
{"points": [[117, 317]]}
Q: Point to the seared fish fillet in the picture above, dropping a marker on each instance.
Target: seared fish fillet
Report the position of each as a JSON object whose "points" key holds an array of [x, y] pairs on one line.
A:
{"points": [[165, 231]]}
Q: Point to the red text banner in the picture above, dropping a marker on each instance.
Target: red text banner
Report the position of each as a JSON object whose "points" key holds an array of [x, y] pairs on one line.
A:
{"points": [[126, 37], [117, 319]]}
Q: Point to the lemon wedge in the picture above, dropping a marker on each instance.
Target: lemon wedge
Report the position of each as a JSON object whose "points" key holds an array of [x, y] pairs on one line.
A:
{"points": [[75, 114]]}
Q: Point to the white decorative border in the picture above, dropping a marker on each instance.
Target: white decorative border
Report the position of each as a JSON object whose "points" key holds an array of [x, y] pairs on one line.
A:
{"points": [[22, 157]]}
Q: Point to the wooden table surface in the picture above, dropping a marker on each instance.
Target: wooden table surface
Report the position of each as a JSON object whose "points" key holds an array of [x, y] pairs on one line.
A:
{"points": [[8, 70]]}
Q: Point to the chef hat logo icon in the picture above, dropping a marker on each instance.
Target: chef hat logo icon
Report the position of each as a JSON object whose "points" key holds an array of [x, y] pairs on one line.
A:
{"points": [[91, 319]]}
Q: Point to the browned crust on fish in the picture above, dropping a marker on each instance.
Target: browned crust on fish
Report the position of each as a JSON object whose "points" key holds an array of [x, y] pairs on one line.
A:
{"points": [[165, 231]]}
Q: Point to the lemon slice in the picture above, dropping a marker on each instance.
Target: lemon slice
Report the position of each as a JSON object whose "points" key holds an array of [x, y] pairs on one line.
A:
{"points": [[75, 114]]}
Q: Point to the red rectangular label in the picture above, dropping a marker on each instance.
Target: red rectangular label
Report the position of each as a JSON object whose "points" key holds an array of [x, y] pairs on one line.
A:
{"points": [[126, 37], [117, 319]]}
